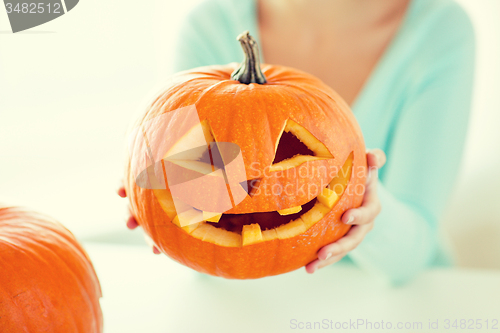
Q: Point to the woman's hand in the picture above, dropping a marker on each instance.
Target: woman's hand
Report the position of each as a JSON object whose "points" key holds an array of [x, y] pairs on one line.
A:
{"points": [[361, 218], [132, 223]]}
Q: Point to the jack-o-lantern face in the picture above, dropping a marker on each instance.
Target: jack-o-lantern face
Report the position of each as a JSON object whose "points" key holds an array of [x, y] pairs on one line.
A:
{"points": [[297, 163]]}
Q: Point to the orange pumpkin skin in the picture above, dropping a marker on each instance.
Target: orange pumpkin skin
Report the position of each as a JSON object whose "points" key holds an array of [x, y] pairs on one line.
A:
{"points": [[47, 282], [253, 116]]}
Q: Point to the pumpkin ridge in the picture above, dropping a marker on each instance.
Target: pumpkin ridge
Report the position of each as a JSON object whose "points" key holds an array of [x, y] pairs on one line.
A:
{"points": [[210, 88]]}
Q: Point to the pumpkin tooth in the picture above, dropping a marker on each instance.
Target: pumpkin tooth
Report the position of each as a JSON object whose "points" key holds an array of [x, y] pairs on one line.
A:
{"points": [[269, 235], [192, 227], [211, 217], [328, 197], [251, 234], [188, 217], [291, 210]]}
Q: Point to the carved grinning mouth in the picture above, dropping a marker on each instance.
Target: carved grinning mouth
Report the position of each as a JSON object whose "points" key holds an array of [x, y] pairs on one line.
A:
{"points": [[294, 147], [266, 220], [236, 230]]}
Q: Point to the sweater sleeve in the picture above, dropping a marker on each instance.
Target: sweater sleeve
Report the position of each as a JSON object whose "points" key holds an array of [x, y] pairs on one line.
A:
{"points": [[192, 48], [423, 155]]}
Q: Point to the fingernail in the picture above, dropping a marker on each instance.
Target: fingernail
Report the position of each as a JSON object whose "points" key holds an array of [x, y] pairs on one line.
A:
{"points": [[328, 256], [351, 219], [371, 172]]}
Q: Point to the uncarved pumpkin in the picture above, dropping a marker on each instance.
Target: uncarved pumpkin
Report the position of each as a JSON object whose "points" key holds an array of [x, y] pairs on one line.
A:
{"points": [[47, 282], [285, 129]]}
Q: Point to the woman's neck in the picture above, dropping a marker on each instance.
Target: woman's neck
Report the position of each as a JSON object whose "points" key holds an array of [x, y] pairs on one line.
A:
{"points": [[341, 14]]}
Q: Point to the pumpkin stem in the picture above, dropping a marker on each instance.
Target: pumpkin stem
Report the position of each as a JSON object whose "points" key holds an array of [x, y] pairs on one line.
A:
{"points": [[249, 70]]}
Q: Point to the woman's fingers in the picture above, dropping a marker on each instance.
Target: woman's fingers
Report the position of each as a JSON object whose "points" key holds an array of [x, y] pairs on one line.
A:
{"points": [[362, 215], [151, 244], [317, 264], [334, 252], [365, 214], [121, 192], [347, 243], [362, 218], [132, 223], [370, 207], [375, 158]]}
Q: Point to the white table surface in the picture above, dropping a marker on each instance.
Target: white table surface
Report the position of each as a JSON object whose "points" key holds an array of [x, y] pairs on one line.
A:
{"points": [[146, 293]]}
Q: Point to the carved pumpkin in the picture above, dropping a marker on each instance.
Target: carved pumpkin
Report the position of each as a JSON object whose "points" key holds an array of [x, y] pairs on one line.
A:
{"points": [[302, 164], [47, 282]]}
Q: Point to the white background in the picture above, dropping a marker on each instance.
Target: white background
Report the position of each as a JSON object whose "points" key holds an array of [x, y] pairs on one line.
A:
{"points": [[69, 88]]}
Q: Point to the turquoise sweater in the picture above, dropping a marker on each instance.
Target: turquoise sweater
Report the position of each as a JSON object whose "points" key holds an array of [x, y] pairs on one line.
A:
{"points": [[414, 106]]}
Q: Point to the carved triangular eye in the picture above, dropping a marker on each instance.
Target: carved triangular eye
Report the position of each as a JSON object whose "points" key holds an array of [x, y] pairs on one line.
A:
{"points": [[297, 145], [289, 146]]}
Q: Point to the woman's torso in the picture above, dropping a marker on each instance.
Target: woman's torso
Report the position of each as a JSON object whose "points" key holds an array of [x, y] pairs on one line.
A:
{"points": [[340, 42]]}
